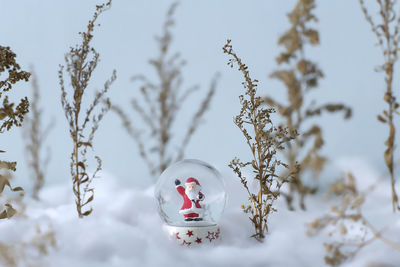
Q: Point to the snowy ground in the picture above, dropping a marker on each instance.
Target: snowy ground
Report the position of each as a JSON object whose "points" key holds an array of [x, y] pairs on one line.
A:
{"points": [[125, 230]]}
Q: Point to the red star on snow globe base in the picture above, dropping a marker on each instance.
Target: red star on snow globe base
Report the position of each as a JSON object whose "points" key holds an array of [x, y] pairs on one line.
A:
{"points": [[190, 196]]}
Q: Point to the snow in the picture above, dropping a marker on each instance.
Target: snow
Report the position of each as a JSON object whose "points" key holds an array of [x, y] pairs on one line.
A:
{"points": [[125, 229]]}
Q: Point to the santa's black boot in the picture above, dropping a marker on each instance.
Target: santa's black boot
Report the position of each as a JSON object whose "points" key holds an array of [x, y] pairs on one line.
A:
{"points": [[189, 219]]}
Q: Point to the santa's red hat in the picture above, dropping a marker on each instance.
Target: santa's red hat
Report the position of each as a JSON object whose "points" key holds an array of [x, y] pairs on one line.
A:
{"points": [[192, 180]]}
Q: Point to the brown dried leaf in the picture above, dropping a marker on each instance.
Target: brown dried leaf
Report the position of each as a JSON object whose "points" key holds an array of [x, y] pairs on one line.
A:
{"points": [[86, 213], [381, 119], [312, 36], [8, 212]]}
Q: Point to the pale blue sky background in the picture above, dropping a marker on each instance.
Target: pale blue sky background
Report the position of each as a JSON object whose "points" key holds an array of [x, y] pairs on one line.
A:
{"points": [[40, 32]]}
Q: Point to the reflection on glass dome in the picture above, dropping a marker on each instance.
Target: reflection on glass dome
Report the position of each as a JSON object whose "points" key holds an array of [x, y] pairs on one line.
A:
{"points": [[190, 193]]}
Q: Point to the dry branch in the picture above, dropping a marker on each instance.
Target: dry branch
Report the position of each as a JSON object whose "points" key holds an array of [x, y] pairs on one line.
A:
{"points": [[10, 116], [161, 102], [299, 79], [345, 219], [388, 35], [80, 63], [35, 134], [264, 140]]}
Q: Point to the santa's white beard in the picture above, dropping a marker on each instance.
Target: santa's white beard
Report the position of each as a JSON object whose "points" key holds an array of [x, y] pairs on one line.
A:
{"points": [[192, 195]]}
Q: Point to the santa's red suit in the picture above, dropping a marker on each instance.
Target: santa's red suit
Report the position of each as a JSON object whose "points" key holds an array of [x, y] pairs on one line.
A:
{"points": [[191, 207]]}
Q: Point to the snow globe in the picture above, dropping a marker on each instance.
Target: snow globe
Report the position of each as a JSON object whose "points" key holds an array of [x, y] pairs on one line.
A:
{"points": [[190, 197]]}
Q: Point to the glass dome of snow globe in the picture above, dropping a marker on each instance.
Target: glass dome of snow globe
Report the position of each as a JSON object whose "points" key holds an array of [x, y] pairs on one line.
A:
{"points": [[190, 197]]}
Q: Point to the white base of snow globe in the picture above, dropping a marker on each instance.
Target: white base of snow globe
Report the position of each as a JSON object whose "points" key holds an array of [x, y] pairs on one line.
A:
{"points": [[193, 234]]}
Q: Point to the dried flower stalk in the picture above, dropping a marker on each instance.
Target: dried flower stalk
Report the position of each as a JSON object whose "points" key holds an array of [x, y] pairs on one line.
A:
{"points": [[162, 101], [80, 63], [10, 116], [264, 140], [299, 79], [388, 35], [345, 218], [35, 135]]}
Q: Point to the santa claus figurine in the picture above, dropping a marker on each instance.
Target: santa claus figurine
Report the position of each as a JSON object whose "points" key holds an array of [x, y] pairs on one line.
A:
{"points": [[191, 209]]}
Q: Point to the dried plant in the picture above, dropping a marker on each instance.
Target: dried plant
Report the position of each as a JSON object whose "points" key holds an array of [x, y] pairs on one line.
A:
{"points": [[18, 254], [35, 134], [6, 200], [7, 255], [162, 101], [10, 116], [32, 246], [388, 35], [264, 140], [80, 63], [301, 76], [349, 225]]}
